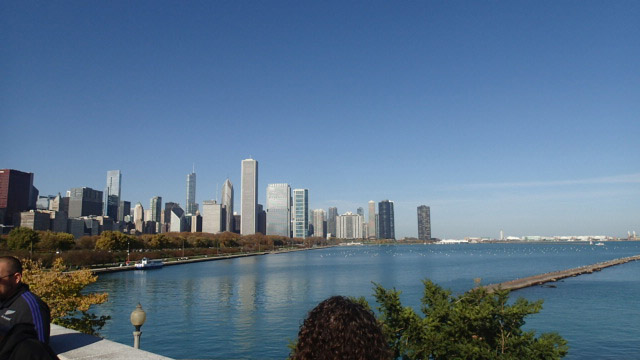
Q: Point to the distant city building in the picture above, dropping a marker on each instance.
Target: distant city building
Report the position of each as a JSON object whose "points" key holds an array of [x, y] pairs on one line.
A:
{"points": [[372, 220], [237, 221], [300, 213], [191, 193], [167, 212], [249, 197], [56, 203], [318, 222], [85, 201], [387, 222], [212, 217], [227, 204], [35, 220], [262, 220], [147, 215], [279, 210], [349, 226], [424, 223], [377, 226], [112, 194], [178, 222], [16, 194], [196, 222], [156, 208], [124, 210], [360, 211], [331, 221], [138, 217], [44, 202]]}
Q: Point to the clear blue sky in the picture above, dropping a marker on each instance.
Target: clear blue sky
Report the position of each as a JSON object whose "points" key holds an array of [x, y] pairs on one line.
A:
{"points": [[514, 115]]}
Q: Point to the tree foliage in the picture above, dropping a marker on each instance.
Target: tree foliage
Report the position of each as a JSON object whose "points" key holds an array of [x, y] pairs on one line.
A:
{"points": [[52, 241], [62, 291], [22, 238], [113, 240], [474, 325]]}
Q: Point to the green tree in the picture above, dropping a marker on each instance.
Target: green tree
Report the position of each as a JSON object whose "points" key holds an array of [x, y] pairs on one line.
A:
{"points": [[22, 238], [474, 325], [62, 291], [51, 241], [112, 240]]}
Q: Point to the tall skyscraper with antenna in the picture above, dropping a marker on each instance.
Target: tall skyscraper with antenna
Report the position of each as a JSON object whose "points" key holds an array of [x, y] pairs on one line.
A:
{"points": [[191, 192], [227, 203], [249, 197], [112, 194]]}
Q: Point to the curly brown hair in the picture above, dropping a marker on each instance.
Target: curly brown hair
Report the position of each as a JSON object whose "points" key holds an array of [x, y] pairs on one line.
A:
{"points": [[339, 328]]}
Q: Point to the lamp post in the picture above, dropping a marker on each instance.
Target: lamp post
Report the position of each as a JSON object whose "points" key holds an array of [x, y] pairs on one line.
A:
{"points": [[138, 316]]}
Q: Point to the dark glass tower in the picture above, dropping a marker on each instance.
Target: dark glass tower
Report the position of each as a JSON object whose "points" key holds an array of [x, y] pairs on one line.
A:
{"points": [[424, 223], [387, 222]]}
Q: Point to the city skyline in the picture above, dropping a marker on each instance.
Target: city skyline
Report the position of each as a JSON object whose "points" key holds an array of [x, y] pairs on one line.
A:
{"points": [[520, 116]]}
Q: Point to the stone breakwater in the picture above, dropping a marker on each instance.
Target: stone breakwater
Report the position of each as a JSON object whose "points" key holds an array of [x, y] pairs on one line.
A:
{"points": [[557, 275]]}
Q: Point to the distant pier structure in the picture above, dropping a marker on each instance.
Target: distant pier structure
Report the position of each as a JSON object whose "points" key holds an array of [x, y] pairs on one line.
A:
{"points": [[557, 275]]}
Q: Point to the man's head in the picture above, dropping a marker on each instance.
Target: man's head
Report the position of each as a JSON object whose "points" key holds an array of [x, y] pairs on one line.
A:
{"points": [[10, 276]]}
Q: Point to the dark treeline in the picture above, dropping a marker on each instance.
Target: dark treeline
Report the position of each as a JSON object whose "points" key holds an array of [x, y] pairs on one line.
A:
{"points": [[115, 247]]}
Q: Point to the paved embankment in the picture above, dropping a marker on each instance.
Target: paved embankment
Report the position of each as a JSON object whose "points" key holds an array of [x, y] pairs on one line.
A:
{"points": [[200, 259], [557, 275]]}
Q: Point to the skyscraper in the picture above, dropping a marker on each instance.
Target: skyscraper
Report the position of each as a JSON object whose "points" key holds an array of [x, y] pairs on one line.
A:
{"points": [[349, 226], [331, 221], [279, 209], [318, 223], [227, 204], [360, 211], [16, 192], [249, 197], [156, 208], [300, 213], [372, 219], [112, 194], [387, 222], [84, 202], [212, 216], [191, 193], [424, 223], [138, 217]]}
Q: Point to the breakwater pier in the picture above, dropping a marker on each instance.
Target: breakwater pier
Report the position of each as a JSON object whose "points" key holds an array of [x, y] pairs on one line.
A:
{"points": [[557, 275]]}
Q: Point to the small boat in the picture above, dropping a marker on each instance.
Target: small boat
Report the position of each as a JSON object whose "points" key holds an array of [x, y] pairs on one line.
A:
{"points": [[149, 264], [599, 244]]}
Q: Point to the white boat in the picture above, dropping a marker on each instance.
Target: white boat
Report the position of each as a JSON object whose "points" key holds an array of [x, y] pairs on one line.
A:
{"points": [[599, 244], [149, 264]]}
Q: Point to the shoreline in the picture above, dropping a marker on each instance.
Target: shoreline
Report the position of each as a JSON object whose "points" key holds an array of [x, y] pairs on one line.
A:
{"points": [[113, 269]]}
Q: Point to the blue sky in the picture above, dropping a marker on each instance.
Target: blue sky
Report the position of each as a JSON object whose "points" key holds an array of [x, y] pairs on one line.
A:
{"points": [[514, 115]]}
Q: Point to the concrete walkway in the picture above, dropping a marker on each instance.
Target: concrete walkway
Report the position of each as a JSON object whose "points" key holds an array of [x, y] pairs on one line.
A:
{"points": [[72, 345]]}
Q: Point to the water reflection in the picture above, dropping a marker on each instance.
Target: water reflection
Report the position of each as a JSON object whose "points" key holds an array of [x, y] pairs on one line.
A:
{"points": [[251, 307]]}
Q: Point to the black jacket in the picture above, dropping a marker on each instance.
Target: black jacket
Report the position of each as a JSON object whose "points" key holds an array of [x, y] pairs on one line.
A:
{"points": [[21, 343], [26, 308]]}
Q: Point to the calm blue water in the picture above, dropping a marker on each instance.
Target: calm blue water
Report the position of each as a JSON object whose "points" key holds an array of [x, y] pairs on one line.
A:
{"points": [[250, 308]]}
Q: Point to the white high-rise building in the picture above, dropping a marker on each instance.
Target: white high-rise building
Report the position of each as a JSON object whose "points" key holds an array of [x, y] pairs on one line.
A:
{"points": [[227, 204], [249, 197], [191, 193], [300, 213], [138, 217], [318, 223], [279, 209], [212, 215], [349, 226]]}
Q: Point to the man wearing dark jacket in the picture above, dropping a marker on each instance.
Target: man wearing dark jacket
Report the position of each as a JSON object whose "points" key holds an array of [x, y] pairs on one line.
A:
{"points": [[17, 304]]}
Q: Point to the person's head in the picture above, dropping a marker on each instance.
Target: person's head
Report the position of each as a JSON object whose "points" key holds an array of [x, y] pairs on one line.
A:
{"points": [[10, 276], [339, 328]]}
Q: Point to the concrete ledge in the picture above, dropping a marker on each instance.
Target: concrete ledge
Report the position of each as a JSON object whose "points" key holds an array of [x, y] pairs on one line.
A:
{"points": [[73, 345]]}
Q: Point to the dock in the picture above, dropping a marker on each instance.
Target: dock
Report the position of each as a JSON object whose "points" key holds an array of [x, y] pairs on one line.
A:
{"points": [[557, 275]]}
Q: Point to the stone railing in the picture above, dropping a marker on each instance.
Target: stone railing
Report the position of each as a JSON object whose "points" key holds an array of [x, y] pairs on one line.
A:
{"points": [[72, 345]]}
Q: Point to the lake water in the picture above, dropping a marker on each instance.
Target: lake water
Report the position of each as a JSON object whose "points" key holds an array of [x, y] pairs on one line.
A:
{"points": [[250, 308]]}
